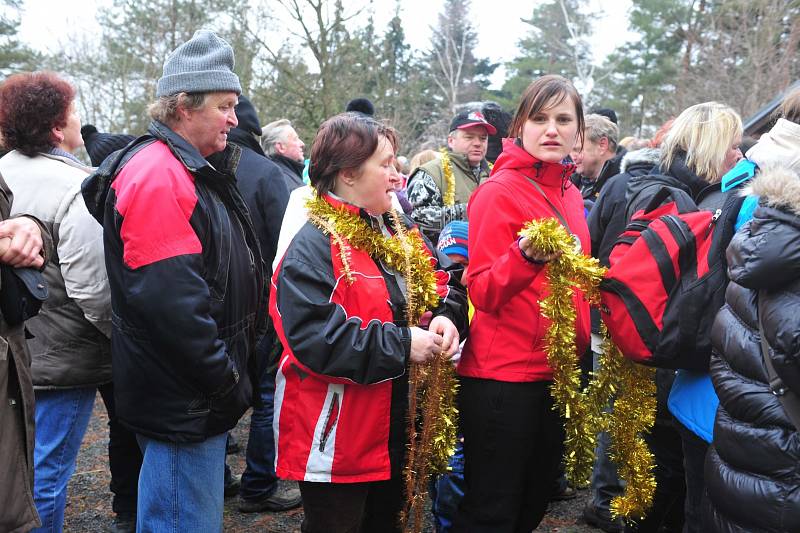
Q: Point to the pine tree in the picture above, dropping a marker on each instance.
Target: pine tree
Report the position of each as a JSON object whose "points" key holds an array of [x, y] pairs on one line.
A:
{"points": [[556, 43], [14, 55]]}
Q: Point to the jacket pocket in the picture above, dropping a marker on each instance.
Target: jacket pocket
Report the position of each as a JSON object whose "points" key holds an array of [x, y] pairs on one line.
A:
{"points": [[200, 405]]}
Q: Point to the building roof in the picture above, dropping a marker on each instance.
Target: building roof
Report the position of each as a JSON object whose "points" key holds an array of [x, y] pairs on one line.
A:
{"points": [[763, 119]]}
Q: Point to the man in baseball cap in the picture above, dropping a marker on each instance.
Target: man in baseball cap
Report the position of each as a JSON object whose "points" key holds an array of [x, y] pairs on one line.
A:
{"points": [[440, 189]]}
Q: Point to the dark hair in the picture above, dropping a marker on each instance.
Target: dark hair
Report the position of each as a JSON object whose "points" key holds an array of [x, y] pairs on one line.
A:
{"points": [[544, 93], [344, 142], [607, 112], [31, 105]]}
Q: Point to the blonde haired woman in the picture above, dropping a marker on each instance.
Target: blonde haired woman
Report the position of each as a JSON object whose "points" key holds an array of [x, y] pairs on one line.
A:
{"points": [[701, 147]]}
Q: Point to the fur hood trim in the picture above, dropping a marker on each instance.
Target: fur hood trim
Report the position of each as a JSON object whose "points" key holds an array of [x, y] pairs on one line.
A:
{"points": [[642, 156], [777, 187]]}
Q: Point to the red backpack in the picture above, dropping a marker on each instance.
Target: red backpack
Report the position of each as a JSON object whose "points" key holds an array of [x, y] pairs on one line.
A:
{"points": [[667, 280]]}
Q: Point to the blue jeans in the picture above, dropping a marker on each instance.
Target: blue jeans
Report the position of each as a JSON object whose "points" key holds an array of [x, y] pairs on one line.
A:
{"points": [[62, 417], [258, 479], [447, 490], [181, 486]]}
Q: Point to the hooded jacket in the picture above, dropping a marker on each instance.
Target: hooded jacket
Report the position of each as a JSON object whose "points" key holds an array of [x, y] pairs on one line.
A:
{"points": [[678, 176], [607, 218], [186, 280], [751, 470], [507, 332], [341, 396]]}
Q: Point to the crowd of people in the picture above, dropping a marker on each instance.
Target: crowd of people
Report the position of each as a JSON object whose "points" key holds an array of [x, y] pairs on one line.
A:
{"points": [[211, 266]]}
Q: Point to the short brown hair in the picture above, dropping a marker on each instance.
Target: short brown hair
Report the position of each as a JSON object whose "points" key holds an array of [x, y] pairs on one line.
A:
{"points": [[31, 105], [344, 142], [544, 93]]}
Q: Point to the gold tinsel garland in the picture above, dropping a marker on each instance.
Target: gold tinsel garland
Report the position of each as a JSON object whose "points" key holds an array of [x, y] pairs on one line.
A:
{"points": [[583, 410], [404, 252], [432, 386], [449, 195]]}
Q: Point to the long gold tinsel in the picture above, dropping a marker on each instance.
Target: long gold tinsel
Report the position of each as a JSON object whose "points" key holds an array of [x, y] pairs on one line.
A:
{"points": [[449, 195], [583, 410], [433, 416]]}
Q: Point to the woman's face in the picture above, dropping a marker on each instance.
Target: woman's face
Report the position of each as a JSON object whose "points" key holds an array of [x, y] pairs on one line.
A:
{"points": [[550, 134], [732, 156], [376, 179], [71, 132]]}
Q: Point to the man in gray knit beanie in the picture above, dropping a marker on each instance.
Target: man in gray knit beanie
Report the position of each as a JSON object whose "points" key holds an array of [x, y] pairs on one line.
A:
{"points": [[202, 64], [186, 279]]}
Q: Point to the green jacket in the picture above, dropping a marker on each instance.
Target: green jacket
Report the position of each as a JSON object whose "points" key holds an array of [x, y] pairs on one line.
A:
{"points": [[426, 188]]}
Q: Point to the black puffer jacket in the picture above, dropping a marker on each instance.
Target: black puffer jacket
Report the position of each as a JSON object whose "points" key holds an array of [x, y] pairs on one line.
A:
{"points": [[752, 469]]}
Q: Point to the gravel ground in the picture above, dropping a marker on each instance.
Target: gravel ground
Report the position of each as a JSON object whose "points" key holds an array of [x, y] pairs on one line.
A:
{"points": [[89, 499]]}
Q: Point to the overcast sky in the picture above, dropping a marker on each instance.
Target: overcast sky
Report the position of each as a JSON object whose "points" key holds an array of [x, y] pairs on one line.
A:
{"points": [[45, 23]]}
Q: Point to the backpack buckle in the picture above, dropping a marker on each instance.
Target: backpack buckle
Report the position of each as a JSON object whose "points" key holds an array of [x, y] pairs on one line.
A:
{"points": [[777, 387]]}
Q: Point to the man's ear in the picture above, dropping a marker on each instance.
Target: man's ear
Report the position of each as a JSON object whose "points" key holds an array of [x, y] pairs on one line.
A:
{"points": [[450, 139], [603, 144]]}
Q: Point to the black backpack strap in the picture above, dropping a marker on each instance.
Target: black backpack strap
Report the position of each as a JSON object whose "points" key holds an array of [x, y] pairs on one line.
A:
{"points": [[788, 398], [725, 224], [683, 201]]}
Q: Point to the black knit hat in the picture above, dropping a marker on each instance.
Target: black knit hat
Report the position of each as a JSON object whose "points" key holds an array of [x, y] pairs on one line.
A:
{"points": [[101, 145], [247, 116], [610, 114], [361, 105]]}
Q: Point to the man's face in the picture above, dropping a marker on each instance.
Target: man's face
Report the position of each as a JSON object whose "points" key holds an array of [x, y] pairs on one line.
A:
{"points": [[291, 146], [472, 142], [207, 128], [590, 158]]}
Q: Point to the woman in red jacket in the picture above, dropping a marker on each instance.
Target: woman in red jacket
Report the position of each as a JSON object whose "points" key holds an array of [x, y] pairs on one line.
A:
{"points": [[512, 436]]}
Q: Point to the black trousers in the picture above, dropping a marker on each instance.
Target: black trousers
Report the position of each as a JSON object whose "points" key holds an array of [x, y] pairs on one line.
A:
{"points": [[372, 507], [513, 441], [666, 514], [124, 457], [694, 458]]}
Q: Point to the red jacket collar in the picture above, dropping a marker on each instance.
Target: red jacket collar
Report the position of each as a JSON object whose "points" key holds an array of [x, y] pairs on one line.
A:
{"points": [[338, 202], [515, 157]]}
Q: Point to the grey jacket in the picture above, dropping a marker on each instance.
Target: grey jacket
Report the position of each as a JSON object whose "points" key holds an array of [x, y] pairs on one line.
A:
{"points": [[71, 346]]}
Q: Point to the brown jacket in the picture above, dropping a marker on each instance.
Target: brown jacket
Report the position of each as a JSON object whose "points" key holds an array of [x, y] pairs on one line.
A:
{"points": [[17, 511]]}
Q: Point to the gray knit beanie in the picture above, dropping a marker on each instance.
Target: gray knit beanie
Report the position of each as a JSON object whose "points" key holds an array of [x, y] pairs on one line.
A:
{"points": [[202, 64]]}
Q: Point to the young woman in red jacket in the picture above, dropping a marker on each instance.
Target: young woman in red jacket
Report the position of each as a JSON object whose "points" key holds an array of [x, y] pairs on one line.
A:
{"points": [[513, 438]]}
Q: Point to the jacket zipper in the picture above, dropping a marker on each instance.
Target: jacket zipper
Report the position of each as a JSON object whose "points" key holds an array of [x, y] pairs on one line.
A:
{"points": [[328, 426]]}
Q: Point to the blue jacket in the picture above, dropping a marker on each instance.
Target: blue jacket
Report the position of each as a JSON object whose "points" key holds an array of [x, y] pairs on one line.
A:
{"points": [[692, 400]]}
